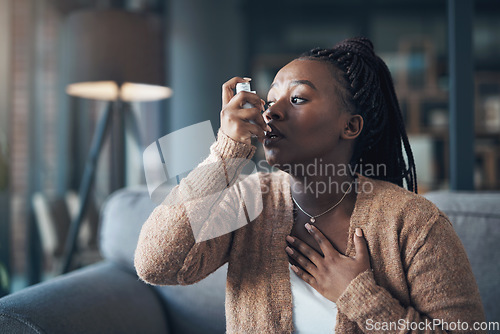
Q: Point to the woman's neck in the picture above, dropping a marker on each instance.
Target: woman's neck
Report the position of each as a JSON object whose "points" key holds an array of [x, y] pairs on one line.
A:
{"points": [[317, 193]]}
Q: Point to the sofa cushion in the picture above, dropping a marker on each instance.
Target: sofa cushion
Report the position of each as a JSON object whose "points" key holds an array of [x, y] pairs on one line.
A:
{"points": [[100, 298], [197, 308], [476, 219], [122, 217]]}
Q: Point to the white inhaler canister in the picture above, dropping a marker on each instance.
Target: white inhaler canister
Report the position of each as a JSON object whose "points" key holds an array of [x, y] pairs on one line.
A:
{"points": [[245, 87]]}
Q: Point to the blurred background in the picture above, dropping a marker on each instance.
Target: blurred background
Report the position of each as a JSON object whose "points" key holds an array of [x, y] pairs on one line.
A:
{"points": [[179, 53]]}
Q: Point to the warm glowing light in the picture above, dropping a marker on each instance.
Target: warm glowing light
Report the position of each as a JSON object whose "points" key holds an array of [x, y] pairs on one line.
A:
{"points": [[142, 92], [109, 91], [97, 90]]}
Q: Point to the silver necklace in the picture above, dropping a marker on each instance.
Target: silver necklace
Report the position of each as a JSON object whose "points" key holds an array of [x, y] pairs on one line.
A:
{"points": [[313, 218]]}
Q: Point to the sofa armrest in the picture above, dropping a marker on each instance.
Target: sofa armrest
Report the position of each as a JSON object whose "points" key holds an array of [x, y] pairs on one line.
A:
{"points": [[101, 298], [476, 219]]}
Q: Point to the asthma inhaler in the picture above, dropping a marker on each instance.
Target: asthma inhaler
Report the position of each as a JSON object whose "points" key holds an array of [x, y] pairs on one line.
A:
{"points": [[245, 87]]}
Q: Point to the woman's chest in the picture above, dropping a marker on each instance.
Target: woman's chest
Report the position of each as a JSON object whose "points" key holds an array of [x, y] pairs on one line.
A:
{"points": [[335, 228]]}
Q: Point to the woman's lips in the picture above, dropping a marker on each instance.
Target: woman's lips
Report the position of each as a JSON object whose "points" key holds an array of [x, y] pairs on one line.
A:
{"points": [[273, 136], [271, 141]]}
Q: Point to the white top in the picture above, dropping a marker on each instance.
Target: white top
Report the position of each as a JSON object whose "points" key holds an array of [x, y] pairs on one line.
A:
{"points": [[312, 313]]}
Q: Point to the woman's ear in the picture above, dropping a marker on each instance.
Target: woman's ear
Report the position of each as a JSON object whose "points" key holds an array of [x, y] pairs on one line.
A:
{"points": [[353, 127]]}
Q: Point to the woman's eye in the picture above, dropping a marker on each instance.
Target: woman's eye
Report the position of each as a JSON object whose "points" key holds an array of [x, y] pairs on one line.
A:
{"points": [[296, 99]]}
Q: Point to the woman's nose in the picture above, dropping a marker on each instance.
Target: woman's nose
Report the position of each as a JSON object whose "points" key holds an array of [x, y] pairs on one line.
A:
{"points": [[274, 112]]}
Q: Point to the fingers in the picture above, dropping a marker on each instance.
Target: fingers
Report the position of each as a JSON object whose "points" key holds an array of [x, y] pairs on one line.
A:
{"points": [[243, 97], [256, 119], [251, 114], [243, 122], [237, 121], [307, 257], [325, 244], [360, 245], [255, 130], [255, 114], [228, 89], [305, 276]]}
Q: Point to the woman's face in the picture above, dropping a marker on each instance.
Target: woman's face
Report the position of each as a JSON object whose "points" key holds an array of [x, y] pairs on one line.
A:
{"points": [[307, 116]]}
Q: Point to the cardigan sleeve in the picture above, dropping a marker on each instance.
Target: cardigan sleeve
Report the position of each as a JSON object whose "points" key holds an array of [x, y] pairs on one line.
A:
{"points": [[444, 295], [189, 235]]}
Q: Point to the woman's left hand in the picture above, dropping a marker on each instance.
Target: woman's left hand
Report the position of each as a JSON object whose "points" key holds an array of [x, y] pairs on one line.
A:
{"points": [[329, 275]]}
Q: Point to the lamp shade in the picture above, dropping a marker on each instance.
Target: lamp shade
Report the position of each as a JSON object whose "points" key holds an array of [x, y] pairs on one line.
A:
{"points": [[107, 48]]}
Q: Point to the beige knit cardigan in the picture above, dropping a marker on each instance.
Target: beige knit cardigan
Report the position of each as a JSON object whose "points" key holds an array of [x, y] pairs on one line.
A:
{"points": [[420, 269]]}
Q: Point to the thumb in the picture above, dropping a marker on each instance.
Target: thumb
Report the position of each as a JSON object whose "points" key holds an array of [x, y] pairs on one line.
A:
{"points": [[360, 245]]}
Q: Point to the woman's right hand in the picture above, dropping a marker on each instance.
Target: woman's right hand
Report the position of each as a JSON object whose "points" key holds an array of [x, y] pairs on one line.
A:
{"points": [[239, 123]]}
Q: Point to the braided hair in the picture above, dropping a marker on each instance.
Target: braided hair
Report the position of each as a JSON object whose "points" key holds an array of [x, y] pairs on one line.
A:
{"points": [[367, 90]]}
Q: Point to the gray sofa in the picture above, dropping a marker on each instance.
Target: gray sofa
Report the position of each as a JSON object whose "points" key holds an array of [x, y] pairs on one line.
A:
{"points": [[108, 297]]}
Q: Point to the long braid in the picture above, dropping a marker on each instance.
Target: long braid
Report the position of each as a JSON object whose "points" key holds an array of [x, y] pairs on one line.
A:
{"points": [[371, 94]]}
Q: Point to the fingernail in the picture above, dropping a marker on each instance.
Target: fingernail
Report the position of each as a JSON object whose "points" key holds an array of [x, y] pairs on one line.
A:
{"points": [[289, 238], [359, 232], [247, 79], [308, 227], [289, 250], [294, 268]]}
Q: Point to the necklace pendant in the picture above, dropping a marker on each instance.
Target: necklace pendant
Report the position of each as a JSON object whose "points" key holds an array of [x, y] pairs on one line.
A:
{"points": [[313, 220]]}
